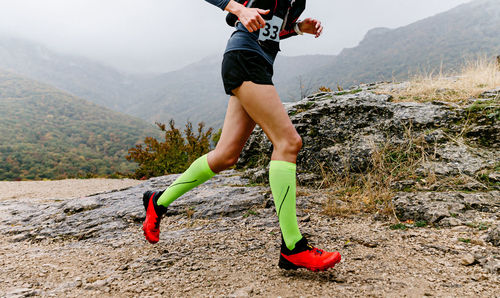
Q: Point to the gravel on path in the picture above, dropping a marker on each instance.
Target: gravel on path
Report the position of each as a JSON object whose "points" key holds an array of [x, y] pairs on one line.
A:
{"points": [[61, 189]]}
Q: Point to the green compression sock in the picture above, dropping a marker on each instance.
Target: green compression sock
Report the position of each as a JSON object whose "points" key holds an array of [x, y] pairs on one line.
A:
{"points": [[197, 173], [282, 181]]}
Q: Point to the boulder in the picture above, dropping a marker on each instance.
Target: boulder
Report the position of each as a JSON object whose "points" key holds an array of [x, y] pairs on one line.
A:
{"points": [[341, 130]]}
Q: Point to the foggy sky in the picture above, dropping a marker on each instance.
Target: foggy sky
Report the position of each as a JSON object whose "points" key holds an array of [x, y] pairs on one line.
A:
{"points": [[162, 35]]}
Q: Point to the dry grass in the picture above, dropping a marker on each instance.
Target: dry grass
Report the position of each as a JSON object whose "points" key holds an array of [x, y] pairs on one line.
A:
{"points": [[373, 191], [393, 165], [475, 77]]}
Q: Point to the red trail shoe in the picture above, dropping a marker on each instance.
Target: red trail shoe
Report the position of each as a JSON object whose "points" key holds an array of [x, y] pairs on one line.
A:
{"points": [[154, 213], [307, 256]]}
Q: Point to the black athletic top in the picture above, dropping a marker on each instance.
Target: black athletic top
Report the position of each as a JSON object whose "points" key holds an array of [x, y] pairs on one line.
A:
{"points": [[280, 24], [219, 3]]}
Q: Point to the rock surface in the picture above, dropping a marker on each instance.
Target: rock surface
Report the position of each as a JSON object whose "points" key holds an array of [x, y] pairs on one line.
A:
{"points": [[494, 235], [77, 248], [448, 208], [222, 238], [341, 130], [105, 215]]}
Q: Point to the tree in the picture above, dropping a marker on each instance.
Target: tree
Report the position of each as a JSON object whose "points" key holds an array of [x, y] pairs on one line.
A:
{"points": [[173, 155]]}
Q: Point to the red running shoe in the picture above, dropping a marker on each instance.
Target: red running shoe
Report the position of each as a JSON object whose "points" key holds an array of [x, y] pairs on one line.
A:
{"points": [[306, 256], [154, 213]]}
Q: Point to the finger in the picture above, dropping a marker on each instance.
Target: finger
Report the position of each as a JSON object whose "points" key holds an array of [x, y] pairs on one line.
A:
{"points": [[261, 11], [320, 31], [249, 27], [254, 27], [254, 24], [261, 22]]}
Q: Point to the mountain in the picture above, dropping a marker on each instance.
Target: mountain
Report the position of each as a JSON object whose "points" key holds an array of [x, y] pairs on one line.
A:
{"points": [[293, 75], [446, 40], [46, 133], [195, 92], [77, 75], [192, 93]]}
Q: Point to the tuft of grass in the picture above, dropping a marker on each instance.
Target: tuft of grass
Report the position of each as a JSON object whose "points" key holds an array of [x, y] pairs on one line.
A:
{"points": [[250, 212], [324, 89], [354, 91], [482, 226], [464, 240], [475, 77], [421, 224], [189, 211], [399, 226], [371, 191]]}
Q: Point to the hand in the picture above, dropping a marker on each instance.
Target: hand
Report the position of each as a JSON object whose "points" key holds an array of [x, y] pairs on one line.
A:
{"points": [[251, 18], [311, 26]]}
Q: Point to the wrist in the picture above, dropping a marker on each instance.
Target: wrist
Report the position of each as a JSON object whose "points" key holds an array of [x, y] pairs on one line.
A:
{"points": [[298, 28]]}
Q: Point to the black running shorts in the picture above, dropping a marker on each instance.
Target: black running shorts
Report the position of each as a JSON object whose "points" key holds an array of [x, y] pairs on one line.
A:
{"points": [[245, 66]]}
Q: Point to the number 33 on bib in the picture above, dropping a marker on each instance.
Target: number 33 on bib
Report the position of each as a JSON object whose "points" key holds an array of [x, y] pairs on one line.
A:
{"points": [[272, 30]]}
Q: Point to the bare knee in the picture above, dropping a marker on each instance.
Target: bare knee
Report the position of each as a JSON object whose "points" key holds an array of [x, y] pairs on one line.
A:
{"points": [[230, 160], [221, 161], [290, 145], [295, 143]]}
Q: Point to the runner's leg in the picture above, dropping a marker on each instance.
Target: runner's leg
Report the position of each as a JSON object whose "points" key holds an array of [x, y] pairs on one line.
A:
{"points": [[263, 104], [236, 129]]}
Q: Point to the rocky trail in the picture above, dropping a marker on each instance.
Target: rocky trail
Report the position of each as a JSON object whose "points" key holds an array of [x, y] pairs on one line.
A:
{"points": [[222, 239]]}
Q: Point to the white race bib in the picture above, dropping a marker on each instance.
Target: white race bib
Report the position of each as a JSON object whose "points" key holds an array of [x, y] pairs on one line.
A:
{"points": [[272, 30]]}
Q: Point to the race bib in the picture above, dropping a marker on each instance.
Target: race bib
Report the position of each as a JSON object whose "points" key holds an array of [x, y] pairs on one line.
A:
{"points": [[272, 30]]}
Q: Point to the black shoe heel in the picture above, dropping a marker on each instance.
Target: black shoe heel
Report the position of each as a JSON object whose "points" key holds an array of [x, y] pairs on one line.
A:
{"points": [[145, 198], [287, 265]]}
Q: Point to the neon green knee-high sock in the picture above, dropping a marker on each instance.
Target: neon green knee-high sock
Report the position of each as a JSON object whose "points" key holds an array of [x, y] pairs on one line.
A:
{"points": [[197, 173], [282, 180]]}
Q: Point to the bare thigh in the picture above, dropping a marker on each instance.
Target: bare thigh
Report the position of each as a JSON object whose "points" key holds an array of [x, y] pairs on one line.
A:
{"points": [[238, 126], [263, 105]]}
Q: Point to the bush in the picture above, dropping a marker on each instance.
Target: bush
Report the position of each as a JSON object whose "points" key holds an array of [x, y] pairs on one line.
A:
{"points": [[174, 155]]}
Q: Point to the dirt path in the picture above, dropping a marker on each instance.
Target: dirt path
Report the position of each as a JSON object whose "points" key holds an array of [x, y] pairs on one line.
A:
{"points": [[238, 257], [70, 188]]}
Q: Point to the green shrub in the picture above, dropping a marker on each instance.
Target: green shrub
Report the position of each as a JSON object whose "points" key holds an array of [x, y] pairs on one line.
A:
{"points": [[173, 155]]}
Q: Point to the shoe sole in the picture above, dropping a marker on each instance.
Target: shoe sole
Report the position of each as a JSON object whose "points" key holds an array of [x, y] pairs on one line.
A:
{"points": [[287, 265]]}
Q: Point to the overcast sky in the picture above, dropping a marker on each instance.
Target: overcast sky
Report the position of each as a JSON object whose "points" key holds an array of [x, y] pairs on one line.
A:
{"points": [[162, 35]]}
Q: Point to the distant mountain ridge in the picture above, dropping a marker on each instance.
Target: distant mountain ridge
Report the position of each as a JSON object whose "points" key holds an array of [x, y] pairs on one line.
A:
{"points": [[78, 75], [446, 40], [195, 92], [46, 133]]}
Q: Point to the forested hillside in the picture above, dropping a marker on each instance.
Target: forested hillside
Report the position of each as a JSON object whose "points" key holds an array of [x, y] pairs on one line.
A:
{"points": [[47, 133]]}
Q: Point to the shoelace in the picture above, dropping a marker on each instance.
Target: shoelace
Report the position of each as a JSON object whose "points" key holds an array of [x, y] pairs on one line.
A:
{"points": [[316, 250]]}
